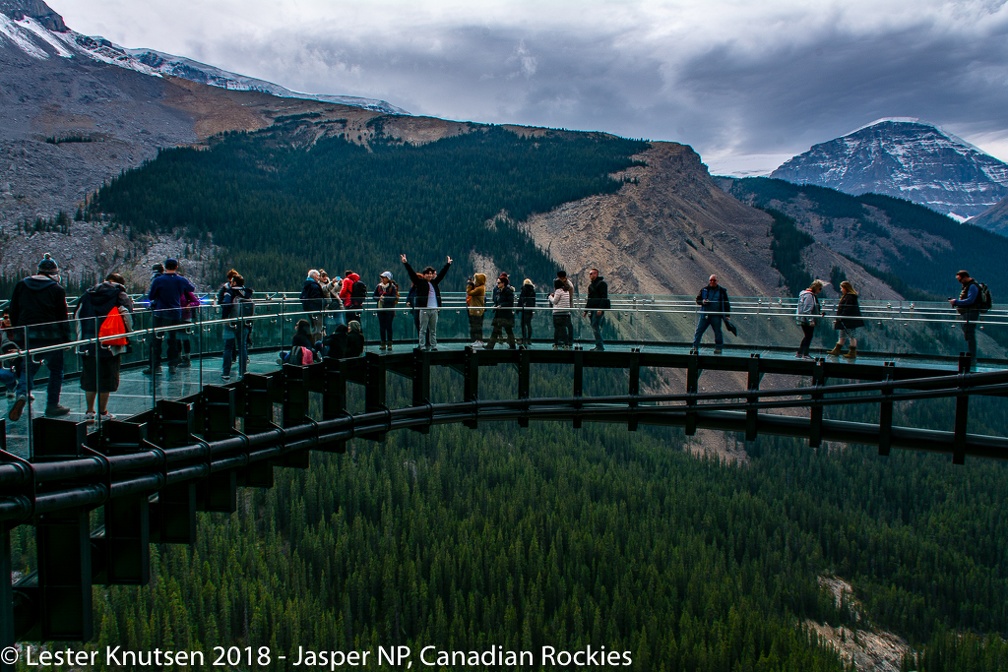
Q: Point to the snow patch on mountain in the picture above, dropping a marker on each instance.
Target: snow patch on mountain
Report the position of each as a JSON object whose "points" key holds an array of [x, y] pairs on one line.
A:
{"points": [[905, 158], [38, 41]]}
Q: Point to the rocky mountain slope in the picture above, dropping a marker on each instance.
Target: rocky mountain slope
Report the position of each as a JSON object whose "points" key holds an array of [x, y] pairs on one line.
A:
{"points": [[994, 218], [907, 159]]}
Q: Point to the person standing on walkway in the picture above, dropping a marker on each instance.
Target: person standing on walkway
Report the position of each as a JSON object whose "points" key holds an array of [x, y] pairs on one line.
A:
{"points": [[100, 365], [968, 307], [504, 301], [237, 309], [38, 304], [526, 302], [428, 299], [598, 303], [806, 313], [848, 319], [313, 302], [166, 292], [387, 295], [476, 302], [563, 327], [714, 307]]}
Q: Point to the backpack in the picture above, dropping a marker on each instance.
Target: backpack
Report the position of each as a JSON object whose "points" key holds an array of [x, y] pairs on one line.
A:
{"points": [[984, 300], [300, 356], [358, 291], [113, 329]]}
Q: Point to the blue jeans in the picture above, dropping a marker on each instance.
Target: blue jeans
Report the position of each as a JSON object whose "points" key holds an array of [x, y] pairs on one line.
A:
{"points": [[235, 340], [597, 320], [8, 379], [54, 362], [712, 321]]}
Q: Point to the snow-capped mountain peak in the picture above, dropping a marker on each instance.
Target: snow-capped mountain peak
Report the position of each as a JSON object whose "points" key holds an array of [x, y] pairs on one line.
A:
{"points": [[35, 29], [905, 158]]}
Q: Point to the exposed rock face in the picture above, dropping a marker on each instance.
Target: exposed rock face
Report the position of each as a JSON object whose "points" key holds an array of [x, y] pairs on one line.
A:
{"points": [[36, 9], [664, 232], [906, 159], [994, 218]]}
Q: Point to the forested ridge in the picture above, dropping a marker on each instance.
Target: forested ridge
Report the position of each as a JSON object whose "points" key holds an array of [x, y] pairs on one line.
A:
{"points": [[278, 207], [911, 272], [552, 536]]}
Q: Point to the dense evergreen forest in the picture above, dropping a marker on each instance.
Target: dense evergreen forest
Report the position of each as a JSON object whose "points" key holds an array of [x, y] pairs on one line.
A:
{"points": [[911, 272], [279, 208], [550, 536]]}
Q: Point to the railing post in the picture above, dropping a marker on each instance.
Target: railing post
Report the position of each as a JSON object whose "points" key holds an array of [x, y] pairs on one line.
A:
{"points": [[886, 413], [524, 384], [692, 385], [175, 509], [374, 389], [471, 385], [961, 412], [815, 404], [125, 541], [752, 398], [64, 544], [578, 386], [634, 388], [421, 382]]}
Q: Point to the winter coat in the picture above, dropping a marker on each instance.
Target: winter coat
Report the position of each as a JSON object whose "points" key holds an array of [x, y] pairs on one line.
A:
{"points": [[560, 299], [848, 312], [166, 295], [717, 300], [808, 308], [598, 294], [39, 303], [504, 305], [94, 308], [476, 294], [423, 287], [312, 299], [387, 295], [527, 297]]}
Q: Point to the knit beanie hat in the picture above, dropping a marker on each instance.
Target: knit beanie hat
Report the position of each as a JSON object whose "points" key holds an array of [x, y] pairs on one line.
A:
{"points": [[48, 265]]}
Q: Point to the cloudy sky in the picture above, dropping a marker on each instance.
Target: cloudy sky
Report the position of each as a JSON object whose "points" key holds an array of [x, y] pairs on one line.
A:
{"points": [[747, 83]]}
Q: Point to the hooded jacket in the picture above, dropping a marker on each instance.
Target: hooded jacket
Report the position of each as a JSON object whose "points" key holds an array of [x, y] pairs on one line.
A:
{"points": [[476, 294], [95, 306], [39, 303]]}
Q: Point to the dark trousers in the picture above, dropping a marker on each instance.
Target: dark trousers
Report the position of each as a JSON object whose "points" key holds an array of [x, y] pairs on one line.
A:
{"points": [[563, 330], [495, 335], [385, 318], [53, 362], [526, 326], [969, 333], [160, 322], [476, 327], [806, 341]]}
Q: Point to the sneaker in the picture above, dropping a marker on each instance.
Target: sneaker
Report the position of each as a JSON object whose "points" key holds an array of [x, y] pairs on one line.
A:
{"points": [[89, 417], [184, 364], [56, 411], [172, 369], [717, 351], [14, 414], [147, 371], [225, 378], [106, 416]]}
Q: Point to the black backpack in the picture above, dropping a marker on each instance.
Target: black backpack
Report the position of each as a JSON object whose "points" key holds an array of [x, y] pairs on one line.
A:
{"points": [[984, 300], [358, 292], [244, 306]]}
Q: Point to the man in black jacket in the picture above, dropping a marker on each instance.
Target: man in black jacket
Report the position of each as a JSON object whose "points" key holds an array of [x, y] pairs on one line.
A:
{"points": [[428, 299], [714, 307], [38, 304], [598, 303]]}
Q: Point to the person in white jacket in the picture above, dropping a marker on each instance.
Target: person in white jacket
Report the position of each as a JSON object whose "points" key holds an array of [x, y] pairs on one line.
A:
{"points": [[807, 312], [563, 327]]}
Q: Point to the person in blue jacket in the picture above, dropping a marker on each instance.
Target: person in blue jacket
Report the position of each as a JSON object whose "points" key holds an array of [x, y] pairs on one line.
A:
{"points": [[968, 306]]}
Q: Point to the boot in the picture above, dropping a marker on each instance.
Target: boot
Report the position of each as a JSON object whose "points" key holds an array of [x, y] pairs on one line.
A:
{"points": [[852, 353], [836, 351]]}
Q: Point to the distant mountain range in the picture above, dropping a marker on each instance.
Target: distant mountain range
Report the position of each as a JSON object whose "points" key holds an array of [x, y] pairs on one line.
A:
{"points": [[908, 159], [41, 33]]}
